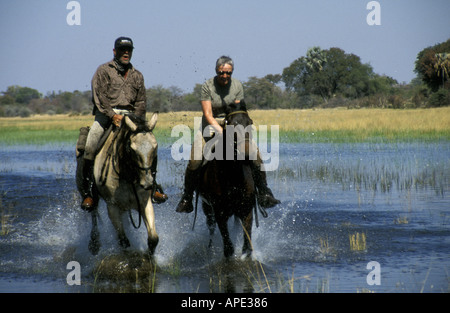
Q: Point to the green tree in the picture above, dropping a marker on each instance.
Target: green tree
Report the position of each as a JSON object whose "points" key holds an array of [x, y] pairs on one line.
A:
{"points": [[192, 100], [22, 95], [442, 66], [158, 99], [295, 76], [431, 67], [260, 93], [316, 59], [328, 73]]}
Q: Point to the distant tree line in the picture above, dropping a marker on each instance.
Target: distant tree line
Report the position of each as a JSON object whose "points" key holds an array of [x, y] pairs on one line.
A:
{"points": [[322, 78]]}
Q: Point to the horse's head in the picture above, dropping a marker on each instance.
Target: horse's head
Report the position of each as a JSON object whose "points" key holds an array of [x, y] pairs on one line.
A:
{"points": [[238, 132], [141, 150]]}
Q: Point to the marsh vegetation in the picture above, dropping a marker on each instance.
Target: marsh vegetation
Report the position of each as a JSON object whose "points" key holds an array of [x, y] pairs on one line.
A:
{"points": [[323, 125]]}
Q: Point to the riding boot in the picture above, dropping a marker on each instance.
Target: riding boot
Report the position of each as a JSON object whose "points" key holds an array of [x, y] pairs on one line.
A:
{"points": [[88, 203], [265, 196], [191, 181], [158, 195]]}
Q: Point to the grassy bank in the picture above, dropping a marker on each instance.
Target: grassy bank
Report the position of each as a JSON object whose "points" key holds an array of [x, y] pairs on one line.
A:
{"points": [[324, 125]]}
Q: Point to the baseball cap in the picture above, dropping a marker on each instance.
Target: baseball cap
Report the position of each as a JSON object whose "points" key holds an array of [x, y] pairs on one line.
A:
{"points": [[123, 42]]}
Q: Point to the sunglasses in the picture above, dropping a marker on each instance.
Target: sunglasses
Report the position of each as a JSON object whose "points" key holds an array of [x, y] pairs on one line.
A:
{"points": [[224, 72]]}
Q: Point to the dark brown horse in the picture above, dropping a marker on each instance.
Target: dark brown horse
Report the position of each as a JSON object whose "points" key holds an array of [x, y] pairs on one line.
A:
{"points": [[227, 187]]}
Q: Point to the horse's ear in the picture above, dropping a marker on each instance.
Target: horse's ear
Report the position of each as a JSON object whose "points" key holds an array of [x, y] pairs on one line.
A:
{"points": [[131, 125], [243, 105], [153, 120], [230, 108]]}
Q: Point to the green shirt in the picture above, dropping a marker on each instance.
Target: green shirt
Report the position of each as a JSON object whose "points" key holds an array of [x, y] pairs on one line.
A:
{"points": [[221, 96]]}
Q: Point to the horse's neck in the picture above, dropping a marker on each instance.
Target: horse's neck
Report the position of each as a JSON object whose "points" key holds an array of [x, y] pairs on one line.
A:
{"points": [[230, 171]]}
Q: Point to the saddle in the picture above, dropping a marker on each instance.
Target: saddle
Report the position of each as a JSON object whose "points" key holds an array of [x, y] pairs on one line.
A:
{"points": [[158, 195], [82, 138]]}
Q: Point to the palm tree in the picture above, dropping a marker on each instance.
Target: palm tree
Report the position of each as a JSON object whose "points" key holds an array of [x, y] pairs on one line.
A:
{"points": [[316, 58], [442, 65]]}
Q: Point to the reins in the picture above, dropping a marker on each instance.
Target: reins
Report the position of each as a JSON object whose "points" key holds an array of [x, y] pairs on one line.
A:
{"points": [[113, 153], [256, 207], [235, 112]]}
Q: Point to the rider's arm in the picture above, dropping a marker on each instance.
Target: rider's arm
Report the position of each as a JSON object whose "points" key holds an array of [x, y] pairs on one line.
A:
{"points": [[99, 92], [207, 112]]}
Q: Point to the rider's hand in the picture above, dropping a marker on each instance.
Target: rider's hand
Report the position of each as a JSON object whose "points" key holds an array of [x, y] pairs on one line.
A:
{"points": [[218, 130], [117, 119]]}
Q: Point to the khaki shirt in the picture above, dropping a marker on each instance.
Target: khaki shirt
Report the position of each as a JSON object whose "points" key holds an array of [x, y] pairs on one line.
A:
{"points": [[111, 90], [212, 91]]}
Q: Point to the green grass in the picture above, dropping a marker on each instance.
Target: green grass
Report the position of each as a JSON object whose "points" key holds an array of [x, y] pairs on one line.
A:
{"points": [[295, 126], [40, 137], [351, 136], [37, 137]]}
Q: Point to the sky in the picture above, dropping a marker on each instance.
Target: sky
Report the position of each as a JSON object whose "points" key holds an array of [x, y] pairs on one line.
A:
{"points": [[177, 42]]}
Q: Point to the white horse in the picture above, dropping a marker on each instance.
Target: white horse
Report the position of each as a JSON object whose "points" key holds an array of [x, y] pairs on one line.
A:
{"points": [[124, 172]]}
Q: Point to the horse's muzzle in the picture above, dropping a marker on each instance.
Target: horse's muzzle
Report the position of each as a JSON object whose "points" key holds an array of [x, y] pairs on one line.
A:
{"points": [[146, 182], [146, 178]]}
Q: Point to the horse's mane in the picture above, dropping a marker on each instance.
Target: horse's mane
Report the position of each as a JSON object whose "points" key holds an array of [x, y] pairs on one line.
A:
{"points": [[126, 164], [233, 107]]}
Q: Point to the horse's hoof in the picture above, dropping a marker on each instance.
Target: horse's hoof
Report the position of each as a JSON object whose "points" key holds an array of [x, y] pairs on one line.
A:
{"points": [[152, 243], [268, 201], [185, 206], [228, 252], [246, 255]]}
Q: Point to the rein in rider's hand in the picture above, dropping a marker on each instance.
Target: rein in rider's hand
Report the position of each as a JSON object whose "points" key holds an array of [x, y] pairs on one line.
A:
{"points": [[117, 119]]}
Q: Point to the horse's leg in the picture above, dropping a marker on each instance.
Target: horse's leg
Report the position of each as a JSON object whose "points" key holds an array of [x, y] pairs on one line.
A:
{"points": [[94, 243], [228, 249], [149, 220], [210, 221], [247, 230], [115, 217], [247, 215]]}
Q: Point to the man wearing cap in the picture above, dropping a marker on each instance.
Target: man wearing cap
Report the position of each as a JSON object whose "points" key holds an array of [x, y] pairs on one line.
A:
{"points": [[117, 88]]}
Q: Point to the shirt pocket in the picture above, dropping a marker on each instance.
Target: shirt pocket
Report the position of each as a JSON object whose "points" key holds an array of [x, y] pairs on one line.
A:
{"points": [[114, 90], [132, 92]]}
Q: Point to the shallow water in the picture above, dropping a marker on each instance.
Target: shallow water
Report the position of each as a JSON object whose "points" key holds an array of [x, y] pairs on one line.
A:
{"points": [[394, 197]]}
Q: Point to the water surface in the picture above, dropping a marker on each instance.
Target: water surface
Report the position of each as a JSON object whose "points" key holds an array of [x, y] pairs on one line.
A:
{"points": [[394, 195]]}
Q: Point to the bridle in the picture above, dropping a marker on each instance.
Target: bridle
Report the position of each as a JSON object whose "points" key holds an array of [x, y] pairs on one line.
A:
{"points": [[245, 139], [235, 112], [151, 168]]}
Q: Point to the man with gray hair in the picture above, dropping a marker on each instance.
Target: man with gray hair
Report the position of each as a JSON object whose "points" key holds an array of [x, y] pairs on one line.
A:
{"points": [[217, 93]]}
